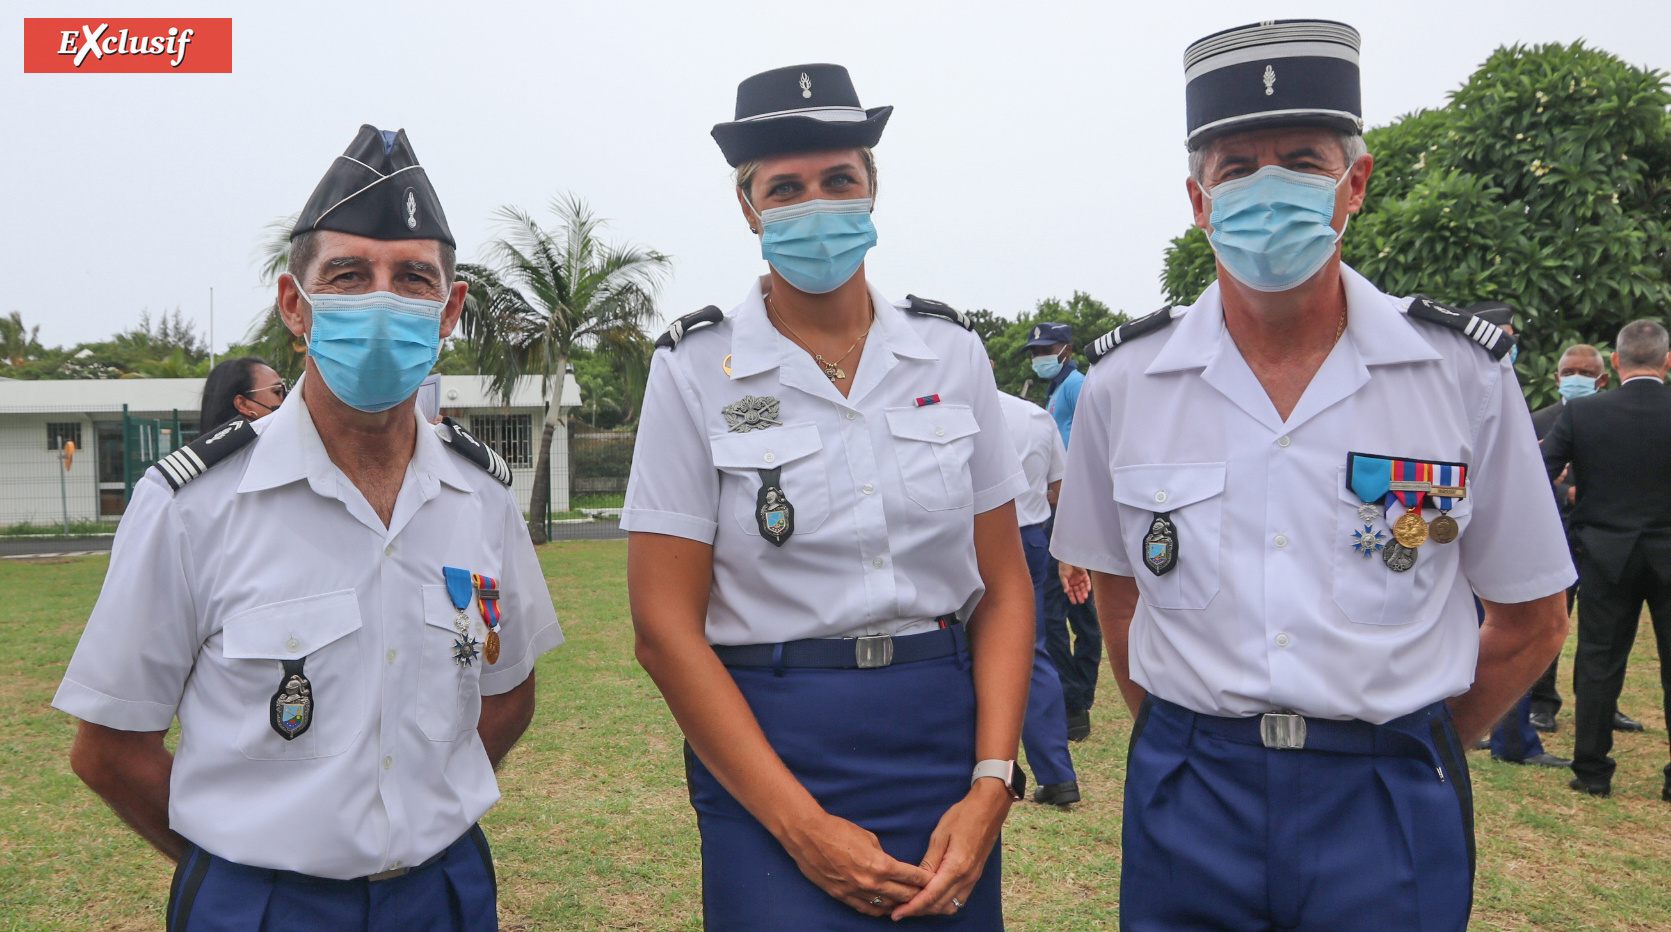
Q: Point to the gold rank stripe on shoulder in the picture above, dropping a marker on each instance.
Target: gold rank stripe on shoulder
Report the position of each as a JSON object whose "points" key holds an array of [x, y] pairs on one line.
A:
{"points": [[210, 447]]}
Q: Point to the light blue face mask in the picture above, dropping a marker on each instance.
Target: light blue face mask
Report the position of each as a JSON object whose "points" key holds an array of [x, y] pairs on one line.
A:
{"points": [[817, 245], [1272, 229], [373, 350], [1575, 385], [1047, 367]]}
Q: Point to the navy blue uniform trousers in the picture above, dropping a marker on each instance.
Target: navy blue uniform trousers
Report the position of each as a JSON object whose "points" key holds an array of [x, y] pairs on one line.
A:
{"points": [[1074, 638], [1224, 834], [1513, 738], [890, 749], [455, 893], [1044, 733]]}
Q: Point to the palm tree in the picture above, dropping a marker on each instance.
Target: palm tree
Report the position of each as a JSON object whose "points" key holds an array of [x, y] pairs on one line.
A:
{"points": [[269, 338], [545, 291]]}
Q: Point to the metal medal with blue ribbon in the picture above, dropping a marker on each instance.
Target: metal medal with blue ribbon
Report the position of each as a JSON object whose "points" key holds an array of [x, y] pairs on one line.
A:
{"points": [[1369, 478], [461, 590], [1449, 487]]}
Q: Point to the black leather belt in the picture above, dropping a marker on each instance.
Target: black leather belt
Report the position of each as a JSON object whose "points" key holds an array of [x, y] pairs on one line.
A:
{"points": [[1288, 731], [864, 653]]}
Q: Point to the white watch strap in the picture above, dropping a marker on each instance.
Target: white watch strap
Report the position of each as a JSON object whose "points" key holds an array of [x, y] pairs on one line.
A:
{"points": [[993, 768]]}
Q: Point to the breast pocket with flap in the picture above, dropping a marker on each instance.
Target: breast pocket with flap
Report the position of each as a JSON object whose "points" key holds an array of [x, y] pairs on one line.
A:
{"points": [[449, 701], [933, 444], [1364, 588], [1193, 495], [324, 632], [794, 449]]}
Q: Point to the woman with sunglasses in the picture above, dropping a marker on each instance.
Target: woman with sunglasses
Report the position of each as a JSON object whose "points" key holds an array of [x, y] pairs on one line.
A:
{"points": [[243, 387], [825, 571]]}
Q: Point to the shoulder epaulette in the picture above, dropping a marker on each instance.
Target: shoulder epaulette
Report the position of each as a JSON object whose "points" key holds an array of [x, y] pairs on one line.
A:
{"points": [[210, 447], [938, 309], [1488, 335], [461, 442], [1129, 330], [706, 317]]}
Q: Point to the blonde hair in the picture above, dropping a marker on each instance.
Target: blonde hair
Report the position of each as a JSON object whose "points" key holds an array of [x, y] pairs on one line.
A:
{"points": [[746, 172]]}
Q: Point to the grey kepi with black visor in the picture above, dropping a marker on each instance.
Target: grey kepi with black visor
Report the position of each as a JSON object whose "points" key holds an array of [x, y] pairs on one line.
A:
{"points": [[801, 108], [1286, 72]]}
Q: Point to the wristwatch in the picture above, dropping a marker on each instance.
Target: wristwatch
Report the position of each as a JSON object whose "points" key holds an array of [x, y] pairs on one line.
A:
{"points": [[1014, 777]]}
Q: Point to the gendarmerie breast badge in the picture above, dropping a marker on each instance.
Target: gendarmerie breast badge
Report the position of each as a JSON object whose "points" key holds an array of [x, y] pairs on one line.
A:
{"points": [[772, 510], [291, 709], [1160, 545]]}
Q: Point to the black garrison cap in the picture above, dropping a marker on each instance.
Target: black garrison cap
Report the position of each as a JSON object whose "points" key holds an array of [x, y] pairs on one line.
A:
{"points": [[376, 189], [1285, 72], [1496, 312], [801, 108]]}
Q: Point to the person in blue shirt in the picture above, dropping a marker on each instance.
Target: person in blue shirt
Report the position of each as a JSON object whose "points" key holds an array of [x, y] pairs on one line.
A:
{"points": [[1071, 632]]}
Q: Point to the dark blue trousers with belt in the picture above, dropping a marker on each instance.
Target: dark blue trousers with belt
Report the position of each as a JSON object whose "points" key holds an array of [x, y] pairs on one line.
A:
{"points": [[1044, 733], [889, 748], [454, 892], [1367, 828], [1074, 638]]}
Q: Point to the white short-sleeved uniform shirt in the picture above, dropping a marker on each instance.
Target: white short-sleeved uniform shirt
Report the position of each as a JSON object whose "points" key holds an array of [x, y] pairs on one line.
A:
{"points": [[885, 490], [1044, 459], [273, 555], [1268, 606]]}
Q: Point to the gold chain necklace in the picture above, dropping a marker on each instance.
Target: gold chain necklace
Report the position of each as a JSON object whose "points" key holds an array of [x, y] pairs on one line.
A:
{"points": [[832, 370], [1340, 330]]}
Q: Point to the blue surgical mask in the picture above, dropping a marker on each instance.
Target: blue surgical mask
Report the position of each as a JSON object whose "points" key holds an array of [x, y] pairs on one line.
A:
{"points": [[1272, 228], [1047, 367], [1514, 353], [1576, 386], [373, 350], [817, 245]]}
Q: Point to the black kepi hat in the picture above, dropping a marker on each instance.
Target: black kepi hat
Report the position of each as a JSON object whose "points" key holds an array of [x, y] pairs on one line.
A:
{"points": [[801, 108], [376, 189], [1285, 72]]}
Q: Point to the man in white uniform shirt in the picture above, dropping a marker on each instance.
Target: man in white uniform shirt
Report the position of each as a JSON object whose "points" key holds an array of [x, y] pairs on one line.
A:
{"points": [[343, 615], [1044, 734], [1288, 495]]}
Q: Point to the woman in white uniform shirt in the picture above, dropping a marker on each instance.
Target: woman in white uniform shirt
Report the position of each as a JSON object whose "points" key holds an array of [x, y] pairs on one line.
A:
{"points": [[826, 576]]}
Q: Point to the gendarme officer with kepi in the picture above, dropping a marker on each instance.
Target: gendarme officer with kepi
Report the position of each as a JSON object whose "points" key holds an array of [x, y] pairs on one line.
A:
{"points": [[824, 562], [1288, 494], [339, 603]]}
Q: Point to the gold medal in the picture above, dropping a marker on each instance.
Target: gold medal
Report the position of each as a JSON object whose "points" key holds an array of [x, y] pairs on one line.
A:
{"points": [[490, 649], [1444, 529], [1410, 529]]}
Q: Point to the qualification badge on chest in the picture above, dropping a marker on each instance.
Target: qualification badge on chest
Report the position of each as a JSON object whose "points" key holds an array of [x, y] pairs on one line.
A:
{"points": [[1160, 545], [291, 710], [752, 412], [772, 510]]}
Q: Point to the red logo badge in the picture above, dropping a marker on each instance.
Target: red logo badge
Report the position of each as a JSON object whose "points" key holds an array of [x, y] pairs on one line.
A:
{"points": [[127, 46]]}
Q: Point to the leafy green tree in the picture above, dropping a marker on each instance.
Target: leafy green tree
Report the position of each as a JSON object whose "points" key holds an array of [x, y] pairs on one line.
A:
{"points": [[1545, 182], [542, 294], [19, 344], [1089, 317]]}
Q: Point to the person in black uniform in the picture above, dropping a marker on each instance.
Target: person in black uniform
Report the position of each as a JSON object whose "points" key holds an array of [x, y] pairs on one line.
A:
{"points": [[1619, 447], [1579, 373]]}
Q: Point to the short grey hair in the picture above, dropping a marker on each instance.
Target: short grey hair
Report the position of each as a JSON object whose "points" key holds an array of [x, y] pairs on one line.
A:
{"points": [[1352, 147], [305, 248], [1643, 345], [1582, 349]]}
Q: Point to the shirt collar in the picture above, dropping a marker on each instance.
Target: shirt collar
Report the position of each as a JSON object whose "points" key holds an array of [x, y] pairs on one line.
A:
{"points": [[1068, 368], [756, 345], [289, 450], [1375, 327]]}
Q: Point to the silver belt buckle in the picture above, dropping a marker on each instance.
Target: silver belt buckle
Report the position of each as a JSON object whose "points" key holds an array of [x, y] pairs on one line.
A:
{"points": [[1284, 731], [874, 651]]}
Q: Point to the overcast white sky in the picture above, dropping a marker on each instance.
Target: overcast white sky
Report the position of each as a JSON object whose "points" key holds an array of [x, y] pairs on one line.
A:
{"points": [[1036, 148]]}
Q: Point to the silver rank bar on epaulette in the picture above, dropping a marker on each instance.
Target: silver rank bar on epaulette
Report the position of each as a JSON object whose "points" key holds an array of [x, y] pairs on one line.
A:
{"points": [[182, 466], [1483, 332]]}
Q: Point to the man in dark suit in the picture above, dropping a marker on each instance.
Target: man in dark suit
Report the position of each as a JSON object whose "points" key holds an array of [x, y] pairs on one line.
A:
{"points": [[1618, 445]]}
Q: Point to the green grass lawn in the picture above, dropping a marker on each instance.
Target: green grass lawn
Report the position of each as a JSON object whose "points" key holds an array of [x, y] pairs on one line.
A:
{"points": [[595, 832]]}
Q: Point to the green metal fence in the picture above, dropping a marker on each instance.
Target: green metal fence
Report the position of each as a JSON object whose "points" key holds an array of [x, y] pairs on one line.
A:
{"points": [[146, 440]]}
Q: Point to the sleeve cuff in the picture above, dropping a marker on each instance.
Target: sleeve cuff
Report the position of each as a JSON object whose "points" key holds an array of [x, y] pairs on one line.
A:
{"points": [[90, 705], [1098, 561], [700, 530], [497, 682], [1526, 590], [1006, 491]]}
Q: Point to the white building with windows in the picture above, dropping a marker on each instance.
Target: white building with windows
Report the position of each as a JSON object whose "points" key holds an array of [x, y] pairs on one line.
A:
{"points": [[36, 416]]}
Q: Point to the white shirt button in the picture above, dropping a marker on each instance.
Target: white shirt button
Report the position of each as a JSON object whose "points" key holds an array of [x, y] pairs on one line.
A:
{"points": [[1282, 640], [1281, 540], [390, 549], [939, 432], [292, 644], [771, 457], [1283, 441], [388, 762], [1160, 496], [867, 488], [878, 563], [390, 656], [852, 414]]}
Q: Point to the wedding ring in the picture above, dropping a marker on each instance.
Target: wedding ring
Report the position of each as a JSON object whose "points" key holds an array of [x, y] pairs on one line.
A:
{"points": [[876, 901], [957, 903]]}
